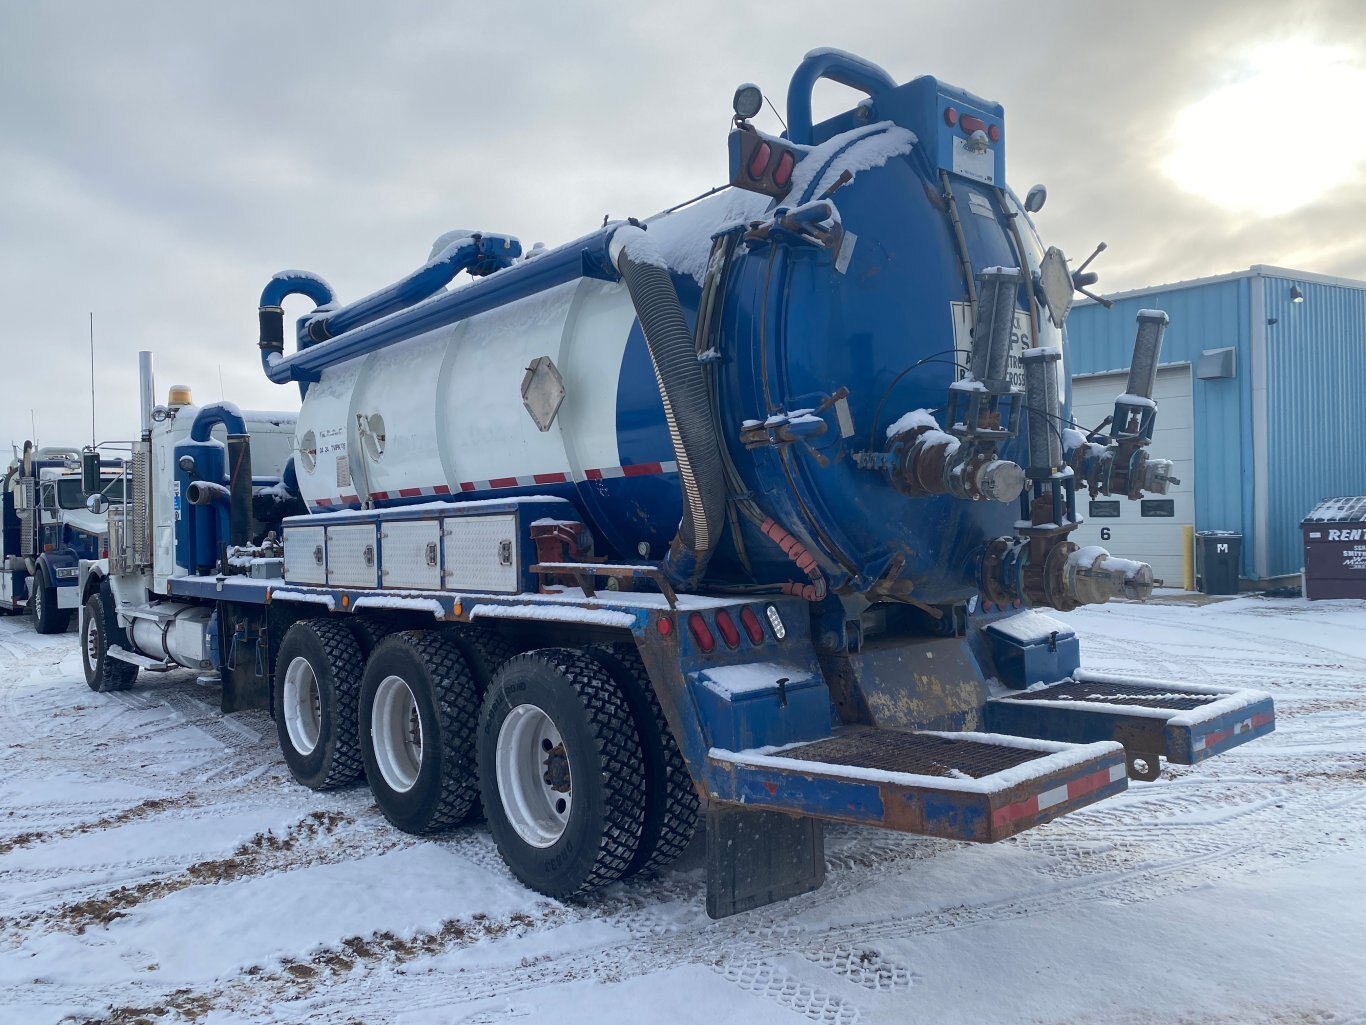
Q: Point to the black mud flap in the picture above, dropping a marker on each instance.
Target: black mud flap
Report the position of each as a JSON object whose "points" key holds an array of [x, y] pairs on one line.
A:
{"points": [[757, 857]]}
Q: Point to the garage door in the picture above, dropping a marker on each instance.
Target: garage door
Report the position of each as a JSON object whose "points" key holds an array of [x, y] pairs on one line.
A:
{"points": [[1149, 530]]}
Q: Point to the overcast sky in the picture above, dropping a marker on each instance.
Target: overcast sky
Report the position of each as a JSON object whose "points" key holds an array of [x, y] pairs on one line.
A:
{"points": [[159, 161]]}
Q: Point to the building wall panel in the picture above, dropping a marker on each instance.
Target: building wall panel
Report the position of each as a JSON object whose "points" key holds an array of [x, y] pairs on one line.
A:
{"points": [[1316, 368], [1207, 316]]}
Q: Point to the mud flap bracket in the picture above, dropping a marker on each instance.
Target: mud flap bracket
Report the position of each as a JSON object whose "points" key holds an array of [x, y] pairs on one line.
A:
{"points": [[757, 857]]}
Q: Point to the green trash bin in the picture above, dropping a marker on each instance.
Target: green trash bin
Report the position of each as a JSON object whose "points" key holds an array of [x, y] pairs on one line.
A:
{"points": [[1217, 556]]}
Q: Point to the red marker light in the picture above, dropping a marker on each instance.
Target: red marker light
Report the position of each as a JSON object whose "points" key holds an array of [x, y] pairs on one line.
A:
{"points": [[729, 632], [752, 626], [782, 174], [950, 116], [994, 133], [701, 633], [972, 124], [758, 163], [664, 625]]}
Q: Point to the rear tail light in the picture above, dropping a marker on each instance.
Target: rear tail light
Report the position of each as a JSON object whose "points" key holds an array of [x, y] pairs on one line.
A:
{"points": [[758, 163], [782, 174], [729, 632], [994, 133], [752, 626], [950, 116], [701, 633], [972, 124]]}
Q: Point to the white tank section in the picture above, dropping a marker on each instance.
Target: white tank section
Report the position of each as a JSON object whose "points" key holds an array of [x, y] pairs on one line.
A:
{"points": [[443, 412]]}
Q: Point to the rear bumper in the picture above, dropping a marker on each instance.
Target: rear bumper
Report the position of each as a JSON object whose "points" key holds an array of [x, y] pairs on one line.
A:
{"points": [[1049, 779], [1183, 723]]}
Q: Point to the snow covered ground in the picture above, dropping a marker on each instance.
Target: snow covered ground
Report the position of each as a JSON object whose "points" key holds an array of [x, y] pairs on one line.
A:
{"points": [[157, 864]]}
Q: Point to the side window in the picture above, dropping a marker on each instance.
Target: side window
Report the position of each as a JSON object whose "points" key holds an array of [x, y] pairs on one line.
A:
{"points": [[50, 497]]}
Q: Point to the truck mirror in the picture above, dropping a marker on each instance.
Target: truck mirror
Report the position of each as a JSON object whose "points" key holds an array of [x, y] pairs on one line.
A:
{"points": [[97, 504], [90, 471]]}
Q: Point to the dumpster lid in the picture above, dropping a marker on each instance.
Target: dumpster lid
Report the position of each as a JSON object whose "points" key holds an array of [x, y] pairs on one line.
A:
{"points": [[1348, 509]]}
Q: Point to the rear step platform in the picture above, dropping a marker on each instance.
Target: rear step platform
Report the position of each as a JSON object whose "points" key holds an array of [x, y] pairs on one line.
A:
{"points": [[1181, 722], [962, 786]]}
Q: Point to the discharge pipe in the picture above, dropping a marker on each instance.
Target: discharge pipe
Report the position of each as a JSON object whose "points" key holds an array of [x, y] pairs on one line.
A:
{"points": [[239, 463]]}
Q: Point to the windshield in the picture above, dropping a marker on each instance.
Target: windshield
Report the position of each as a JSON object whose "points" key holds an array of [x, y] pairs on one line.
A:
{"points": [[70, 495]]}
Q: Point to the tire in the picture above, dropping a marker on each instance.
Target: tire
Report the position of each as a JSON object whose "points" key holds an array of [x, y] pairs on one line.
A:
{"points": [[103, 673], [671, 803], [317, 687], [560, 772], [419, 704], [42, 605], [484, 650], [368, 632]]}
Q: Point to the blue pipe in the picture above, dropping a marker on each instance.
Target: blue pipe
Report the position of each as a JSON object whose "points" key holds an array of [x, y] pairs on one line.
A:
{"points": [[584, 257], [209, 417], [272, 315], [837, 66], [296, 282], [477, 253]]}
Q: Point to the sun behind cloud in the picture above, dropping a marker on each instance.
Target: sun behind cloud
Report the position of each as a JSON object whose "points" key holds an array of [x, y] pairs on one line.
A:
{"points": [[1285, 131]]}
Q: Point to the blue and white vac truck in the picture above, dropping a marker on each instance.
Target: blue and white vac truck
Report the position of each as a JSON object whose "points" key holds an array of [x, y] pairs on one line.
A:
{"points": [[752, 512], [47, 526]]}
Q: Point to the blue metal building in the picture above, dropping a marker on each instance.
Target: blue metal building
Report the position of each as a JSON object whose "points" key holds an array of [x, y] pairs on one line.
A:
{"points": [[1265, 370]]}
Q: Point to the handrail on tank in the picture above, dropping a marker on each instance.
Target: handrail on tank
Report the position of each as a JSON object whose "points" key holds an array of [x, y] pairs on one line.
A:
{"points": [[584, 257], [838, 66], [479, 253]]}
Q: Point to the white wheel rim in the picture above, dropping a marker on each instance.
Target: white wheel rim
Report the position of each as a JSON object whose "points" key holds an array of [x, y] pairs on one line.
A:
{"points": [[302, 703], [534, 782], [92, 642], [398, 732]]}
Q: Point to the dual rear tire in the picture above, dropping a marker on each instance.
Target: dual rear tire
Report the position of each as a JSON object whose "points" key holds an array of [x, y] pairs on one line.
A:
{"points": [[567, 751], [561, 772]]}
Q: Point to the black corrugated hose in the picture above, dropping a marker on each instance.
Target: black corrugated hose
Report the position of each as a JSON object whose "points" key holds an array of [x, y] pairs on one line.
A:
{"points": [[683, 387]]}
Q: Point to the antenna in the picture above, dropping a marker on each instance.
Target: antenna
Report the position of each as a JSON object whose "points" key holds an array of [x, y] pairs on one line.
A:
{"points": [[92, 379], [222, 395], [33, 427]]}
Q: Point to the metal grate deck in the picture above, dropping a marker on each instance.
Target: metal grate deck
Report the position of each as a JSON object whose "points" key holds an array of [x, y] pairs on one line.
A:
{"points": [[918, 753], [1121, 694]]}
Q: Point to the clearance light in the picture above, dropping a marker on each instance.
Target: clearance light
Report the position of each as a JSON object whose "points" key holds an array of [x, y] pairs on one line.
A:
{"points": [[950, 116], [752, 626], [729, 632], [664, 625], [701, 633], [775, 621], [994, 133]]}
